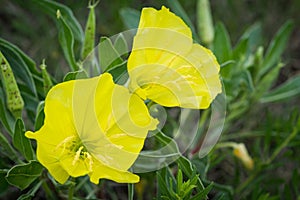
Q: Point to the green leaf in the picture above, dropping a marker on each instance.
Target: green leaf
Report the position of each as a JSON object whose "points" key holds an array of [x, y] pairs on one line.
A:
{"points": [[6, 117], [253, 35], [80, 74], [222, 44], [121, 46], [108, 55], [50, 7], [287, 90], [162, 186], [28, 61], [240, 49], [40, 116], [130, 17], [276, 48], [186, 166], [23, 175], [7, 149], [66, 40], [203, 193], [21, 142], [31, 192], [31, 102], [19, 64], [3, 183], [246, 79], [179, 180], [266, 82]]}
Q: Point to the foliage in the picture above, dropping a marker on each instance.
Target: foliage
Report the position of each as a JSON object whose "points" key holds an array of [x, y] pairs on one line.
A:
{"points": [[261, 112]]}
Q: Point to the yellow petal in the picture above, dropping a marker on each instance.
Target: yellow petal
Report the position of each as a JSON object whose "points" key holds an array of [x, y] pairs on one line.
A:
{"points": [[92, 124], [163, 18], [113, 127], [58, 115], [166, 67], [103, 171], [48, 156]]}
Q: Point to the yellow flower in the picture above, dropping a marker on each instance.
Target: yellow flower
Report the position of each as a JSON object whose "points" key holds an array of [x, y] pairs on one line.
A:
{"points": [[167, 67], [94, 127]]}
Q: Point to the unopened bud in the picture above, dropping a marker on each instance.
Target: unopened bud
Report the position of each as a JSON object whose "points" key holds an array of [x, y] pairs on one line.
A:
{"points": [[14, 100], [47, 83], [204, 21], [240, 151]]}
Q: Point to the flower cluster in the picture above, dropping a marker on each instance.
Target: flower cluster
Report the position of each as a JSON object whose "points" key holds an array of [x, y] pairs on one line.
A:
{"points": [[95, 127]]}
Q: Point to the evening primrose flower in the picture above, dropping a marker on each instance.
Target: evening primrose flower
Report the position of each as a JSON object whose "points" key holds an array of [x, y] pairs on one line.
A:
{"points": [[92, 127], [165, 65]]}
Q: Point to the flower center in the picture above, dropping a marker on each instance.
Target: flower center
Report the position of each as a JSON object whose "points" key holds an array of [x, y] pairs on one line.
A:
{"points": [[73, 147]]}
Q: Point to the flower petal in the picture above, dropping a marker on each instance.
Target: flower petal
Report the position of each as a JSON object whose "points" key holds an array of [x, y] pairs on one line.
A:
{"points": [[103, 171], [166, 67], [111, 122]]}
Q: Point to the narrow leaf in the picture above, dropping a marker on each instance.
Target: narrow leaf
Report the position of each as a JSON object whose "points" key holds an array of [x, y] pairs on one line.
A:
{"points": [[6, 117], [31, 193], [66, 40], [186, 166], [80, 74], [18, 65], [40, 116], [7, 149], [108, 55], [287, 90], [50, 7], [21, 142], [121, 46], [276, 48], [28, 61], [222, 44], [253, 35], [203, 194]]}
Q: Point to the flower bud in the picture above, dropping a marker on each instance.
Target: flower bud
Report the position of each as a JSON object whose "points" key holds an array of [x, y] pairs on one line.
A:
{"points": [[240, 151], [205, 24], [14, 99], [47, 83]]}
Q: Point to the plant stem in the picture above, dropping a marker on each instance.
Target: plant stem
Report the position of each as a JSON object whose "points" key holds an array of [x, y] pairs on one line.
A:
{"points": [[71, 189], [283, 145]]}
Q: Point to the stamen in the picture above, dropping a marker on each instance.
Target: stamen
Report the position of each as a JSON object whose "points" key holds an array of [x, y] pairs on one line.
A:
{"points": [[89, 157], [64, 142], [77, 155]]}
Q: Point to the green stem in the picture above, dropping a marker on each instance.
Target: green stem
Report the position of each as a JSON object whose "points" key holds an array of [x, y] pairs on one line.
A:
{"points": [[71, 189], [283, 145], [225, 145]]}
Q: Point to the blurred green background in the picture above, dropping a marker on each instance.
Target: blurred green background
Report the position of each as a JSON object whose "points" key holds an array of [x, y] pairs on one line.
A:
{"points": [[262, 130], [35, 33]]}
